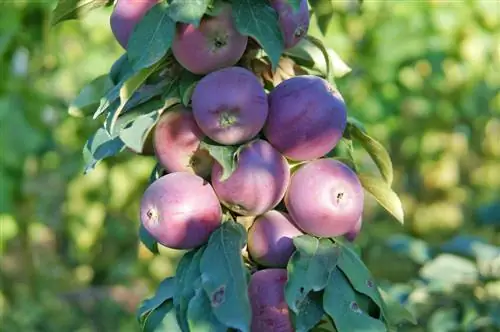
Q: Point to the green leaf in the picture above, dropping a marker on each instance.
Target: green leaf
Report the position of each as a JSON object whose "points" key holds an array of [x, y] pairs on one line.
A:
{"points": [[148, 240], [152, 37], [135, 134], [188, 271], [225, 155], [120, 69], [189, 12], [308, 54], [162, 319], [74, 9], [89, 97], [100, 146], [376, 151], [339, 302], [323, 10], [295, 4], [187, 84], [200, 316], [339, 67], [450, 270], [257, 19], [310, 312], [214, 7], [309, 268], [157, 172], [383, 194], [330, 76], [224, 276], [395, 312], [164, 292]]}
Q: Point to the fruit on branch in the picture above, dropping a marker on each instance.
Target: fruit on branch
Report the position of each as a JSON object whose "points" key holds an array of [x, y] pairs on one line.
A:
{"points": [[270, 239], [307, 117], [294, 24], [180, 210], [126, 15], [177, 140], [258, 183], [230, 105], [266, 291], [213, 45], [325, 198], [353, 234]]}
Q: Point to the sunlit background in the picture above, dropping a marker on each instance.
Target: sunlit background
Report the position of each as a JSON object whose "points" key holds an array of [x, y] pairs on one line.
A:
{"points": [[425, 80]]}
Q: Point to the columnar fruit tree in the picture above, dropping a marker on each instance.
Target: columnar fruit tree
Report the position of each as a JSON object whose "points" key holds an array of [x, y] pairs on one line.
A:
{"points": [[255, 177]]}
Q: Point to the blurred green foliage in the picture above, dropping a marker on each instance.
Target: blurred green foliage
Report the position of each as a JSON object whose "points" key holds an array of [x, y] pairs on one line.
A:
{"points": [[425, 81]]}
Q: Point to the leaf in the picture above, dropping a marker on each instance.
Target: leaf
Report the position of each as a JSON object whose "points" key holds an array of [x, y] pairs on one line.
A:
{"points": [[187, 84], [306, 53], [295, 4], [164, 292], [224, 276], [395, 312], [189, 12], [89, 97], [151, 37], [339, 301], [309, 268], [383, 194], [257, 19], [157, 172], [162, 319], [214, 7], [444, 319], [148, 240], [376, 151], [74, 9], [310, 312], [450, 269], [100, 146], [323, 10], [330, 77], [120, 69], [188, 271], [200, 316], [416, 249], [134, 135], [225, 155], [339, 67]]}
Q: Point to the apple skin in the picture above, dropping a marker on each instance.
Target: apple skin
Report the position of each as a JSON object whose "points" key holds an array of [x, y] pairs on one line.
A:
{"points": [[270, 239], [258, 183], [353, 234], [270, 311], [325, 198], [294, 24], [230, 105], [180, 210], [213, 45], [125, 16], [177, 140], [307, 118]]}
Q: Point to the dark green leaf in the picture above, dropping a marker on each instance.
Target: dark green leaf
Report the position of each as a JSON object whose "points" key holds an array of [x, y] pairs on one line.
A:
{"points": [[376, 151], [310, 312], [186, 86], [189, 12], [120, 69], [135, 134], [257, 19], [395, 312], [323, 10], [215, 7], [295, 4], [339, 302], [164, 292], [162, 319], [200, 316], [225, 155], [148, 240], [386, 197], [309, 268], [151, 38], [74, 9], [156, 173], [224, 276], [89, 97], [100, 146]]}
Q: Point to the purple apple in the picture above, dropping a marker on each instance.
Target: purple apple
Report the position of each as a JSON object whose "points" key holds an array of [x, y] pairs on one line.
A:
{"points": [[266, 291], [126, 15], [293, 24], [230, 105], [306, 118], [257, 184], [353, 234], [180, 210], [325, 198], [213, 45], [177, 141], [270, 239]]}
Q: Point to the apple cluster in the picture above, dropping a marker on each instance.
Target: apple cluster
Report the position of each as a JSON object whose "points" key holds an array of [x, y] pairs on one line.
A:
{"points": [[282, 177]]}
